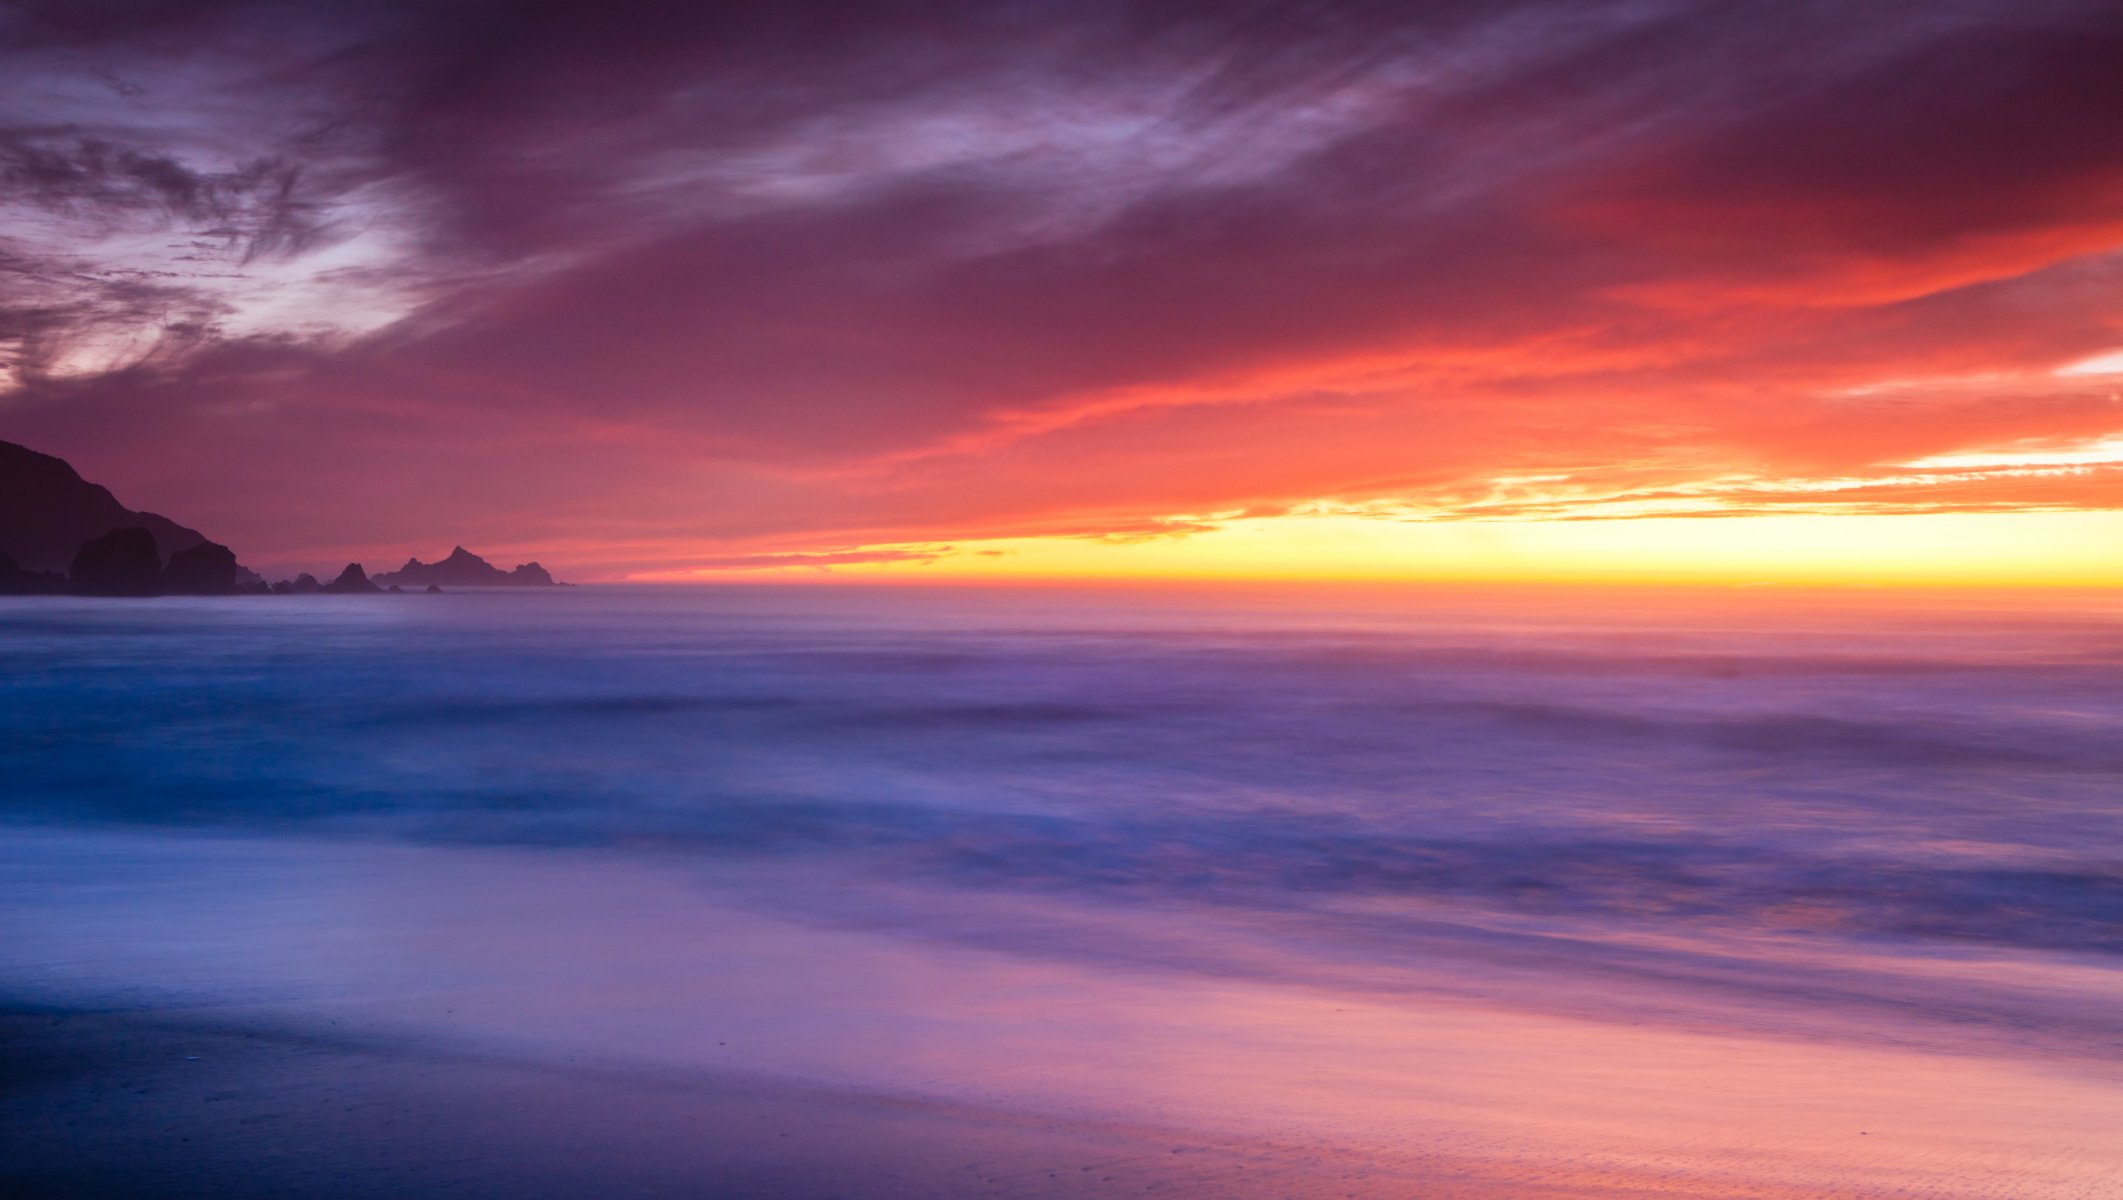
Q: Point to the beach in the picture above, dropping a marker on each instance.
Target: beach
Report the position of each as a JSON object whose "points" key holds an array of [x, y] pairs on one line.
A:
{"points": [[686, 891]]}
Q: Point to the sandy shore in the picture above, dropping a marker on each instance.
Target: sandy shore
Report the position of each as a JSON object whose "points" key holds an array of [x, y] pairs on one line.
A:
{"points": [[268, 1017], [160, 1106]]}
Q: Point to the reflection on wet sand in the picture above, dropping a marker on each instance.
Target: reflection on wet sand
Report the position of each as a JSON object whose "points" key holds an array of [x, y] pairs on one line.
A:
{"points": [[570, 981]]}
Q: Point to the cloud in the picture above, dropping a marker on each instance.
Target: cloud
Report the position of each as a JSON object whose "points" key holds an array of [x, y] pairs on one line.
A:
{"points": [[784, 280], [817, 562], [257, 207]]}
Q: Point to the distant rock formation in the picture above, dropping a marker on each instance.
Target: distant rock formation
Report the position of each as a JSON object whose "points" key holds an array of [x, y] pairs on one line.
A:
{"points": [[122, 562], [47, 511], [16, 580], [434, 589], [352, 581], [466, 569], [61, 534], [207, 569]]}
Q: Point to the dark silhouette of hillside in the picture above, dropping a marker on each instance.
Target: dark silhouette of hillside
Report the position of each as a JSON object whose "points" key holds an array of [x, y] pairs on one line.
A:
{"points": [[61, 534], [47, 511]]}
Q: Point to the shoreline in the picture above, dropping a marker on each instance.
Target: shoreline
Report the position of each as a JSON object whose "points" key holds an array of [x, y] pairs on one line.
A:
{"points": [[205, 1016], [106, 1105]]}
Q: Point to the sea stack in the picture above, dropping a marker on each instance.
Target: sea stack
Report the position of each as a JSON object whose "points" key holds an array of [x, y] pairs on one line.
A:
{"points": [[123, 562], [207, 569], [466, 569], [352, 581]]}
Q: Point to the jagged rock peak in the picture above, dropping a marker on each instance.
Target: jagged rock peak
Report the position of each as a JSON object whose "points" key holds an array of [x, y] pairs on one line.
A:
{"points": [[353, 579], [462, 568]]}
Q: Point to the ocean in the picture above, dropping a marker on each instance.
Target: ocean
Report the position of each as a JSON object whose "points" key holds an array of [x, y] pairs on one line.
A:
{"points": [[1276, 892]]}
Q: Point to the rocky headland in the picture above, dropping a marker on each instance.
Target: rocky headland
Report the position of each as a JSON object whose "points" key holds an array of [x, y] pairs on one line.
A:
{"points": [[47, 513], [62, 535]]}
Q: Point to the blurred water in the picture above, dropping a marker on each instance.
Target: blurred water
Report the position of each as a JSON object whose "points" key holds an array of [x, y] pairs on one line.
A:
{"points": [[1868, 826], [1948, 781]]}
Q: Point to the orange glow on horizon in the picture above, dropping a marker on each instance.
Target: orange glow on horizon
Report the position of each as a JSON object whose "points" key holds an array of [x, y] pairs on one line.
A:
{"points": [[1959, 550]]}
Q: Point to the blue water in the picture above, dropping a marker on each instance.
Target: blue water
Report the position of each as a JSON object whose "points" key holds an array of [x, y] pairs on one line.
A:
{"points": [[1685, 811]]}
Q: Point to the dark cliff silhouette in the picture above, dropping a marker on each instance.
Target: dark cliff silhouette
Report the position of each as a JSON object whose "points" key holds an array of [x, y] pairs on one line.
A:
{"points": [[61, 534], [207, 569], [122, 562], [47, 511], [466, 569]]}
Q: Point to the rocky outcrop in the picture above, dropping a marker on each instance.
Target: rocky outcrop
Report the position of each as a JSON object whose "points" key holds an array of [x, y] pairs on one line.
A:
{"points": [[60, 533], [207, 569], [123, 562], [47, 511], [17, 580], [352, 581], [466, 569]]}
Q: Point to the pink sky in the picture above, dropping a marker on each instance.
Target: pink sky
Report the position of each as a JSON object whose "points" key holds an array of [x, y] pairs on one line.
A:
{"points": [[677, 286]]}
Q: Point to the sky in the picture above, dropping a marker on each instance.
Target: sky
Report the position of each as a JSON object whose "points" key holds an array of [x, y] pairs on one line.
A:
{"points": [[1640, 291]]}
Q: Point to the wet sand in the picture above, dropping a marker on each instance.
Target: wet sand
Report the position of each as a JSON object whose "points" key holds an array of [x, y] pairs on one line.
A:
{"points": [[116, 1106], [107, 1105], [390, 1021]]}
